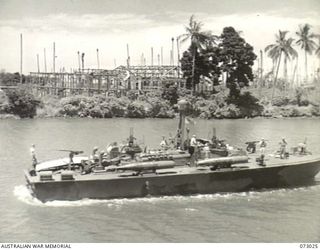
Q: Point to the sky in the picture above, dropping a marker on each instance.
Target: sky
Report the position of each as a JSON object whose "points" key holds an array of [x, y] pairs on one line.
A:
{"points": [[83, 25]]}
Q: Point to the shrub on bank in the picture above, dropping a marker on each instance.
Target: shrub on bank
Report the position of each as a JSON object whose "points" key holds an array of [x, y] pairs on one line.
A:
{"points": [[49, 107], [230, 111], [136, 109], [22, 103], [118, 106], [216, 106], [106, 107], [170, 93], [4, 102], [291, 111], [159, 108], [280, 101], [248, 105]]}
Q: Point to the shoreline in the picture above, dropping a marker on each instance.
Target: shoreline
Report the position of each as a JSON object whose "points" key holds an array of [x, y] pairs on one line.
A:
{"points": [[15, 117]]}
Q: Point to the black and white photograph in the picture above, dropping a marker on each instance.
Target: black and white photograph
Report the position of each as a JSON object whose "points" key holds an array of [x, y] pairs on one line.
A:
{"points": [[159, 121]]}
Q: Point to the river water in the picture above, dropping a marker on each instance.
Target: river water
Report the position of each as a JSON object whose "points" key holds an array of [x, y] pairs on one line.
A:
{"points": [[281, 215]]}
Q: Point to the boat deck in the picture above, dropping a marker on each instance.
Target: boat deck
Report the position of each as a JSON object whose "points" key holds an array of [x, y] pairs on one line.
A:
{"points": [[270, 162]]}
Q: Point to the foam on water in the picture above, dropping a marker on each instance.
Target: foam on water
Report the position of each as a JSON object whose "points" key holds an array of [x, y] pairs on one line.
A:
{"points": [[23, 194], [188, 209]]}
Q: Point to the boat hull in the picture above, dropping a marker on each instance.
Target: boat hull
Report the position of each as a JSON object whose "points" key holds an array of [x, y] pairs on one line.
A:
{"points": [[176, 181]]}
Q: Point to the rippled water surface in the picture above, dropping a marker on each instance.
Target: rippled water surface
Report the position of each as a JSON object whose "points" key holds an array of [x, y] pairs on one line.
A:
{"points": [[283, 215]]}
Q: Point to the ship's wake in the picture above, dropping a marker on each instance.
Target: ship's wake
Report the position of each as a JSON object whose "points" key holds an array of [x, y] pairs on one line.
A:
{"points": [[24, 195]]}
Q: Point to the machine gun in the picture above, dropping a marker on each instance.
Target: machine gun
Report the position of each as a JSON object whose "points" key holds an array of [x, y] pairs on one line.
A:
{"points": [[72, 153], [251, 146]]}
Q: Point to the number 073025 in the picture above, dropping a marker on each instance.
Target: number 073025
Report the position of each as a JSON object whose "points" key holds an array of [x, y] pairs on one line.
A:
{"points": [[309, 245]]}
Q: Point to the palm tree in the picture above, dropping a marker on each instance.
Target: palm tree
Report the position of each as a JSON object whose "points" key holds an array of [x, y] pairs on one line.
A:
{"points": [[306, 43], [283, 47], [199, 39], [289, 54], [318, 55]]}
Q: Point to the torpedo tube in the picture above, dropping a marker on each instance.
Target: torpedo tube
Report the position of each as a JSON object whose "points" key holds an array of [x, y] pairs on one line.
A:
{"points": [[223, 160], [139, 166]]}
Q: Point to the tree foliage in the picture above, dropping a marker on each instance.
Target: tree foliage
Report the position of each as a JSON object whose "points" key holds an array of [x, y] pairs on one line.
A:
{"points": [[7, 79], [170, 93], [306, 43], [232, 55], [206, 64], [199, 40], [22, 103], [306, 38], [237, 59], [282, 46]]}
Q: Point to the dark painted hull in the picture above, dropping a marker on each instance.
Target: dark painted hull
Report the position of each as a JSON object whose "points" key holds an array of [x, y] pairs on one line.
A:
{"points": [[188, 181]]}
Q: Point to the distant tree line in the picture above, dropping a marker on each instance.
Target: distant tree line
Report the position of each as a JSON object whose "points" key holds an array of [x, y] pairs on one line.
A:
{"points": [[9, 79]]}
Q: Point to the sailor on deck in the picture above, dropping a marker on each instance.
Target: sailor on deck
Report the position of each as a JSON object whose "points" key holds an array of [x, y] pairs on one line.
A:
{"points": [[262, 145], [171, 140], [113, 150], [95, 155], [33, 155], [302, 147], [206, 150], [193, 150], [215, 142], [193, 144], [163, 143], [283, 145]]}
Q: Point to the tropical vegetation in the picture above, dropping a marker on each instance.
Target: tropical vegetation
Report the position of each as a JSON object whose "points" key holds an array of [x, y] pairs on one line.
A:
{"points": [[224, 62], [306, 43], [283, 46]]}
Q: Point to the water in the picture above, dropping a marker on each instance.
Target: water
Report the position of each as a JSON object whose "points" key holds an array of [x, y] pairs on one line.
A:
{"points": [[282, 215]]}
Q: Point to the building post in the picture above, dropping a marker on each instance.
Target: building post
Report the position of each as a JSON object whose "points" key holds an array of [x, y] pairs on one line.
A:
{"points": [[98, 62], [161, 56], [151, 56], [38, 66], [54, 57], [79, 64], [45, 60], [178, 54], [21, 57], [172, 45]]}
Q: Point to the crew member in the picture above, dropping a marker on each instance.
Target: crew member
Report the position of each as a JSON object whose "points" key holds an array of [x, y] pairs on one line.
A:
{"points": [[302, 147], [206, 150], [171, 140], [163, 143], [262, 145], [71, 155], [113, 150], [193, 144], [215, 142], [95, 155], [130, 150], [193, 149], [101, 154], [283, 145], [33, 155]]}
